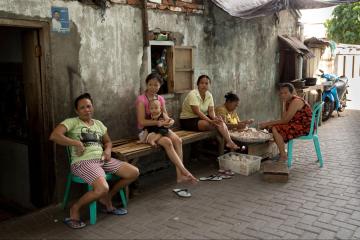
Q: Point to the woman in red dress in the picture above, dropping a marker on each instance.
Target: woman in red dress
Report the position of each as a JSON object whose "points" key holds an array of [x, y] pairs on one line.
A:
{"points": [[295, 121]]}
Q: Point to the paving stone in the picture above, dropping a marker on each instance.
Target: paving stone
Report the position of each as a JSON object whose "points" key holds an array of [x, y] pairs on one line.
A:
{"points": [[326, 226], [309, 219], [310, 212], [356, 234], [326, 235], [344, 234], [326, 218], [344, 225], [290, 236], [341, 216], [308, 228], [325, 210], [292, 230], [309, 235]]}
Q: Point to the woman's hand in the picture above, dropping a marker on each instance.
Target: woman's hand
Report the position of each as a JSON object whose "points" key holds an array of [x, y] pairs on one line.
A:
{"points": [[263, 125], [216, 122], [106, 155], [161, 123], [241, 126], [169, 123], [79, 148], [250, 121]]}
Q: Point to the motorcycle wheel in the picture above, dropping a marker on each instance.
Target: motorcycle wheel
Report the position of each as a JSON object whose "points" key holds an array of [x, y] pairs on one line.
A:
{"points": [[327, 110], [343, 103]]}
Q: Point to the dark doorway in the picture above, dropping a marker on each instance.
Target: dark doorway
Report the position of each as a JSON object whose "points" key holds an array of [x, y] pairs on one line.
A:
{"points": [[27, 172], [287, 65]]}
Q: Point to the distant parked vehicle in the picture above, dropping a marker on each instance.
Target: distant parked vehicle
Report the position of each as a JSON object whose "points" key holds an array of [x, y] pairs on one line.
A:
{"points": [[334, 95]]}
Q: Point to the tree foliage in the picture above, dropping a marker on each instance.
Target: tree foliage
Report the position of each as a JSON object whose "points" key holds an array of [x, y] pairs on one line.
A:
{"points": [[344, 26]]}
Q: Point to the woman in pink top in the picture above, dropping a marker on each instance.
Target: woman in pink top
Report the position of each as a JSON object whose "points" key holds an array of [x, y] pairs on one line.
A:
{"points": [[171, 142]]}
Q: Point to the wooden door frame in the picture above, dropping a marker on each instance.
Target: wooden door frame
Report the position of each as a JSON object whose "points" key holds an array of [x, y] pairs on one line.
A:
{"points": [[47, 157]]}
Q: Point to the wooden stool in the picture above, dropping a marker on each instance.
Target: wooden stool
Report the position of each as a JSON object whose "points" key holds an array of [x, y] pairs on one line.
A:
{"points": [[275, 172]]}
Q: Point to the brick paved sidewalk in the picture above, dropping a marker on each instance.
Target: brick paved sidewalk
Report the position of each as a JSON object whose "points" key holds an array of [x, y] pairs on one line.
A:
{"points": [[314, 204]]}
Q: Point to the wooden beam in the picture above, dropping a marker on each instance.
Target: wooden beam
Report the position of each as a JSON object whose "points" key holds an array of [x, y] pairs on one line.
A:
{"points": [[145, 24]]}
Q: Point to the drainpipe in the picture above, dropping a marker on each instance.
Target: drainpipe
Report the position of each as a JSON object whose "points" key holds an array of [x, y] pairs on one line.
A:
{"points": [[299, 66], [145, 24], [299, 58]]}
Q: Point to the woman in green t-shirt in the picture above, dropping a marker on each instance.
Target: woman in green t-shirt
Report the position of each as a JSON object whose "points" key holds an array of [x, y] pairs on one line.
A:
{"points": [[90, 147]]}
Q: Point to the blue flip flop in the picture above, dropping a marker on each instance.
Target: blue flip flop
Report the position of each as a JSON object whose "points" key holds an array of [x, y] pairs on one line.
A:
{"points": [[116, 211], [73, 223]]}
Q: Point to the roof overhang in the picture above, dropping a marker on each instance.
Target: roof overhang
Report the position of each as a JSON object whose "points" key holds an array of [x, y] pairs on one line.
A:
{"points": [[297, 46]]}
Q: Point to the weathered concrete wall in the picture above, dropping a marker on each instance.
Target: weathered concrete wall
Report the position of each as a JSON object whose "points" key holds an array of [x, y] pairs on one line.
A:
{"points": [[245, 58], [107, 59]]}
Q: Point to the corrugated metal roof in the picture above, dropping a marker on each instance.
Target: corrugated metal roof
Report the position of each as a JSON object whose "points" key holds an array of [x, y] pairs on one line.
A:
{"points": [[316, 42], [297, 46]]}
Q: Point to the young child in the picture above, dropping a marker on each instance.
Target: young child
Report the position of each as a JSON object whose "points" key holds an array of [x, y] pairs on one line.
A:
{"points": [[156, 132]]}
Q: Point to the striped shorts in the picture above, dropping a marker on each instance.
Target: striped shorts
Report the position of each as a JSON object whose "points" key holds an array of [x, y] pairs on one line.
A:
{"points": [[90, 170]]}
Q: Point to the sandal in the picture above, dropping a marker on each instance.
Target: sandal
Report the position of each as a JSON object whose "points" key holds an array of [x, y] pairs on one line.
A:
{"points": [[229, 173], [115, 211], [211, 178], [225, 176], [184, 193], [74, 224]]}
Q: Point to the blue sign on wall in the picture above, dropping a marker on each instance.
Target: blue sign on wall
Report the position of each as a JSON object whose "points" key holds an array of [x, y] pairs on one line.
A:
{"points": [[60, 20]]}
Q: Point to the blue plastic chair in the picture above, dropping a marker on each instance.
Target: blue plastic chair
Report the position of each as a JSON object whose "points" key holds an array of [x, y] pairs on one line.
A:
{"points": [[92, 206], [311, 136]]}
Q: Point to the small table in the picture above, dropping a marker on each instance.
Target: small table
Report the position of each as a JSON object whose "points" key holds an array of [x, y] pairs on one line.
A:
{"points": [[263, 149]]}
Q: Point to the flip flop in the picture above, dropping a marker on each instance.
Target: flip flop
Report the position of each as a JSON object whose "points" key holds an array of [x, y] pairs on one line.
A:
{"points": [[182, 192], [211, 178], [229, 173], [74, 224], [116, 211], [224, 176]]}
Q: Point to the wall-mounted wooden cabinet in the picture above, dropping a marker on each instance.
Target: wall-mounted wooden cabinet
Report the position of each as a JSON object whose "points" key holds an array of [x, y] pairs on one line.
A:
{"points": [[174, 63]]}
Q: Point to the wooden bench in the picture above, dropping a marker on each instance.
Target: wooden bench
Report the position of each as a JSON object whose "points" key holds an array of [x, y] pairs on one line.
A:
{"points": [[130, 150]]}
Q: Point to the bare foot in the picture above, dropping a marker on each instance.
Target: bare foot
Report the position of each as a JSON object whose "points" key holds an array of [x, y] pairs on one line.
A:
{"points": [[192, 179], [153, 144], [232, 146], [182, 179], [74, 213], [187, 178], [108, 204], [283, 159]]}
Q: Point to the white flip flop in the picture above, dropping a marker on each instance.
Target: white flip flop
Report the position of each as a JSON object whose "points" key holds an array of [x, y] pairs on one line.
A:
{"points": [[211, 178], [182, 192]]}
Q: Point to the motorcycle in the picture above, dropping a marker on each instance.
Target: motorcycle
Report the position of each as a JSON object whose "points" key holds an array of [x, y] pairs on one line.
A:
{"points": [[334, 95]]}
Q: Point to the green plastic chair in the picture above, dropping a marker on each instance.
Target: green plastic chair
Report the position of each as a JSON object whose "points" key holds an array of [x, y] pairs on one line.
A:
{"points": [[92, 206], [315, 118]]}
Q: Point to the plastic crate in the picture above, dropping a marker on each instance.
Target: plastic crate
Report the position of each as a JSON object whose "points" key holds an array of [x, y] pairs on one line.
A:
{"points": [[243, 164]]}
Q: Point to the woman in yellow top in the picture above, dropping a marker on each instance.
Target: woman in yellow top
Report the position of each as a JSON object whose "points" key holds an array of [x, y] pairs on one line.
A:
{"points": [[198, 113], [228, 114]]}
